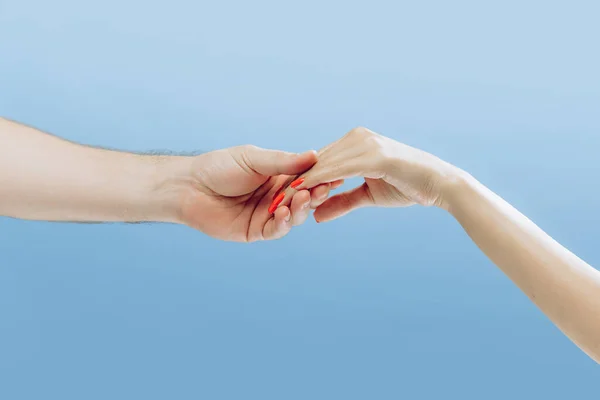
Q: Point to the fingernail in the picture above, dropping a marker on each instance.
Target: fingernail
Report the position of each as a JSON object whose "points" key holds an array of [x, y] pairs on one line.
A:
{"points": [[277, 192], [276, 202], [288, 217], [297, 183], [305, 205]]}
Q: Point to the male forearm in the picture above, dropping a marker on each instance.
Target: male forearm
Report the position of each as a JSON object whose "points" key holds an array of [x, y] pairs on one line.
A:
{"points": [[43, 177], [563, 286]]}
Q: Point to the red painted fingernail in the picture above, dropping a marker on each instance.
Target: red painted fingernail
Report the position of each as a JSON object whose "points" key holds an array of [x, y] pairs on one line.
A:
{"points": [[297, 183], [277, 193], [276, 202]]}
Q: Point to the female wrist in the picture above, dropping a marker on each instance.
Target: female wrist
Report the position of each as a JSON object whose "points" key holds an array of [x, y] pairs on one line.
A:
{"points": [[453, 182]]}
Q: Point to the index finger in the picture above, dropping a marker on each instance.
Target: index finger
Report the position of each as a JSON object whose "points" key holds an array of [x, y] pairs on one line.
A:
{"points": [[328, 173]]}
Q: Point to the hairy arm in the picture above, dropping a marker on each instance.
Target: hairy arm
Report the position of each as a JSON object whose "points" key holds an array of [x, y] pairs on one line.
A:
{"points": [[562, 285], [43, 177]]}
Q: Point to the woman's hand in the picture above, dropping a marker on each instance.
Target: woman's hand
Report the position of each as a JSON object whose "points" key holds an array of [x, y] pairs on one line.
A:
{"points": [[396, 175], [562, 285]]}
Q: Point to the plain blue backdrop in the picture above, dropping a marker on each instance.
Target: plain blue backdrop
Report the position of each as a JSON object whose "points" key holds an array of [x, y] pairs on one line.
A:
{"points": [[383, 304]]}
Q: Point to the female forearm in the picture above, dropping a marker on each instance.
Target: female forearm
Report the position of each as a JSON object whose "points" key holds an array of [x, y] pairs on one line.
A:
{"points": [[562, 285], [43, 177], [396, 175]]}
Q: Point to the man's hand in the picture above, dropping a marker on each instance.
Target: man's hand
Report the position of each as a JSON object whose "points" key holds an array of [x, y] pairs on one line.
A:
{"points": [[227, 193]]}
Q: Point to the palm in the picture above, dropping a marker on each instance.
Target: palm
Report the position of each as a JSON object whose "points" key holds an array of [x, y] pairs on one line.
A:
{"points": [[237, 218], [228, 199]]}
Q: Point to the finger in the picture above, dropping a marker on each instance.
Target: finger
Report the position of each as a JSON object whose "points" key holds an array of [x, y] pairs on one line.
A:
{"points": [[286, 195], [331, 172], [337, 184], [319, 194], [300, 207], [278, 226], [275, 162], [343, 203]]}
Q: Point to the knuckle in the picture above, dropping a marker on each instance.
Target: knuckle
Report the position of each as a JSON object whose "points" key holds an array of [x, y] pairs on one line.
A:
{"points": [[374, 143], [242, 153], [367, 138], [381, 158], [359, 131], [248, 148]]}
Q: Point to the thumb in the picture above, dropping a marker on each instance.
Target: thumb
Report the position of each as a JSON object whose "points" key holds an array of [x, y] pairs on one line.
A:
{"points": [[275, 162], [341, 204]]}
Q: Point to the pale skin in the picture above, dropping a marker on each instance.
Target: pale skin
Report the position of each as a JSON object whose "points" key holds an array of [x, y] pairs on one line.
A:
{"points": [[562, 285], [226, 194]]}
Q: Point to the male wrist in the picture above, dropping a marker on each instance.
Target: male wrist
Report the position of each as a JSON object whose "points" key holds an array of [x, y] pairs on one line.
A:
{"points": [[170, 177]]}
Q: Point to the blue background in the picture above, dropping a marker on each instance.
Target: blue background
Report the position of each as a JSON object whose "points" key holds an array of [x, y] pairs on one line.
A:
{"points": [[382, 304]]}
